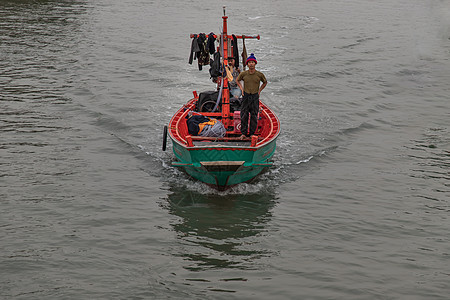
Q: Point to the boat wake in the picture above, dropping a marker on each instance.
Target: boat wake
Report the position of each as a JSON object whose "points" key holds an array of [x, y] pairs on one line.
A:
{"points": [[288, 166]]}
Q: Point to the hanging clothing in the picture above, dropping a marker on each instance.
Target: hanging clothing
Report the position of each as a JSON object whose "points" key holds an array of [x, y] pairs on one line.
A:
{"points": [[210, 43], [234, 43], [194, 49], [203, 54], [244, 53], [215, 69]]}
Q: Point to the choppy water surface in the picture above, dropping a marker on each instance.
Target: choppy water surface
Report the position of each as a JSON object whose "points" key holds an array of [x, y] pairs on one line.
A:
{"points": [[356, 207]]}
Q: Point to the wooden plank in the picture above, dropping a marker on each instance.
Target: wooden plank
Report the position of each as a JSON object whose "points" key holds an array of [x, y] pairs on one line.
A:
{"points": [[222, 163]]}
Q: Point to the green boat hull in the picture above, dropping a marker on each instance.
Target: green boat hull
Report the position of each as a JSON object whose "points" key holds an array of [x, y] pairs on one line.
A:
{"points": [[224, 166]]}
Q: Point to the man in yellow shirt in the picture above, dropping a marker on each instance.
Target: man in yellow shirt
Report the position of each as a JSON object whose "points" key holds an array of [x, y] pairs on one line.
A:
{"points": [[250, 100]]}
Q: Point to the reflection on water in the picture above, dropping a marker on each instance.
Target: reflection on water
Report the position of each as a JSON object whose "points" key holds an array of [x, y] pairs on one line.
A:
{"points": [[220, 231]]}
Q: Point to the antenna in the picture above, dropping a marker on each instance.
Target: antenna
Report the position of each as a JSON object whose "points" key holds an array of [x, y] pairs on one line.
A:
{"points": [[224, 10]]}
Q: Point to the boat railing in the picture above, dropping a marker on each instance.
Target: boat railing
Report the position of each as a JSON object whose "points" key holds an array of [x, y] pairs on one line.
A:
{"points": [[272, 120], [178, 118], [256, 141]]}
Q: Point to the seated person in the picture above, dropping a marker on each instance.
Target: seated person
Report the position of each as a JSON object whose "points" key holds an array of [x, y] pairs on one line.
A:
{"points": [[235, 91]]}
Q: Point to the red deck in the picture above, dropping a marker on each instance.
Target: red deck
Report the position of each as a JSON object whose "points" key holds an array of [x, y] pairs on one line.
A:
{"points": [[268, 127]]}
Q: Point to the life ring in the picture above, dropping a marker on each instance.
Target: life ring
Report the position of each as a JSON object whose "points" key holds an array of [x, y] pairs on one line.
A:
{"points": [[164, 138]]}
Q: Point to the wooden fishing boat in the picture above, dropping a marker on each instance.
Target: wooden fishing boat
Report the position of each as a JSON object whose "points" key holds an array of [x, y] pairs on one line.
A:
{"points": [[227, 160]]}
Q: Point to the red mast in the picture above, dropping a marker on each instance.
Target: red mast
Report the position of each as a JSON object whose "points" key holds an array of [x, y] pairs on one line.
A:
{"points": [[225, 91], [226, 115]]}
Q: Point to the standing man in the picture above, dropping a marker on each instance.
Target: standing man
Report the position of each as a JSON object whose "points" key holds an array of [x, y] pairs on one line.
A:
{"points": [[251, 91]]}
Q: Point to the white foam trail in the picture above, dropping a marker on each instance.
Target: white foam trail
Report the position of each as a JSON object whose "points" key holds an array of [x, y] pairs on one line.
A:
{"points": [[304, 160]]}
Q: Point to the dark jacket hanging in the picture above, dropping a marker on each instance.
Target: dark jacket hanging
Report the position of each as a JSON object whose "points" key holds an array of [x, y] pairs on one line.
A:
{"points": [[194, 49], [235, 51], [210, 43], [203, 54]]}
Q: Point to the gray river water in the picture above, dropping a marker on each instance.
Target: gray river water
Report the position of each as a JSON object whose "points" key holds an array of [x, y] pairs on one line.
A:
{"points": [[357, 205]]}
